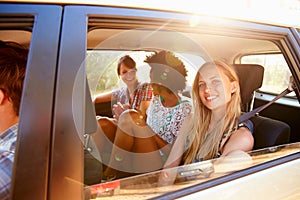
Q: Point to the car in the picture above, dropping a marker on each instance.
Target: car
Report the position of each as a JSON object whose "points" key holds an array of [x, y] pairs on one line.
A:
{"points": [[73, 51]]}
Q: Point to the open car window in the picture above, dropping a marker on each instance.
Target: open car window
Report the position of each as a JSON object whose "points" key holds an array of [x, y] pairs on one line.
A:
{"points": [[102, 77], [106, 45]]}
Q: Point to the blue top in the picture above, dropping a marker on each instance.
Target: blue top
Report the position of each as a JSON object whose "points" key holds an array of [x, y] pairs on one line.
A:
{"points": [[248, 124]]}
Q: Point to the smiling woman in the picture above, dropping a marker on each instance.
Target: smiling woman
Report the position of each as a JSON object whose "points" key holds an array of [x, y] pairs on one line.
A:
{"points": [[212, 130], [126, 70]]}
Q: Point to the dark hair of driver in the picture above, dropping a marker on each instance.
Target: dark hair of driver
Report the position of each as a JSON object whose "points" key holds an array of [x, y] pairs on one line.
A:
{"points": [[13, 60]]}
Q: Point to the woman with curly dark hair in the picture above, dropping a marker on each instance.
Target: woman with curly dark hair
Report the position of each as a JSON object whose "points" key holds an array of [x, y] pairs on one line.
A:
{"points": [[143, 139]]}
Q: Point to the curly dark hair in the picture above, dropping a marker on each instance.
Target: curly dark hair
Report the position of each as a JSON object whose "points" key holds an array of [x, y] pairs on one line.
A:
{"points": [[13, 60], [167, 70]]}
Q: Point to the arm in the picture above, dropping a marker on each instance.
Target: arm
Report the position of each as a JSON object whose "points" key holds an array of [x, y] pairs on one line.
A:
{"points": [[168, 176], [234, 156], [177, 151], [240, 140], [104, 97]]}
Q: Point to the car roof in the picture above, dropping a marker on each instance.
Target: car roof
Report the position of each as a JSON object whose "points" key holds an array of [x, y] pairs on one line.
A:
{"points": [[275, 12]]}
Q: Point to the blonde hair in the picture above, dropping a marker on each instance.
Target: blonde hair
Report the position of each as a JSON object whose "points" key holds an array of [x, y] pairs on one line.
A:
{"points": [[200, 144]]}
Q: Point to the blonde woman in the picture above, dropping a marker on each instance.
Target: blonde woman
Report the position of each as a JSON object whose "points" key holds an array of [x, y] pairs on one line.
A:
{"points": [[212, 130]]}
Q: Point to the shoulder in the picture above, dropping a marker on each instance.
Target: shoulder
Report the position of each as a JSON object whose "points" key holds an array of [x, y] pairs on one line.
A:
{"points": [[247, 124], [244, 137], [119, 91], [10, 132], [115, 91], [240, 140], [144, 86], [8, 138], [186, 103], [186, 100]]}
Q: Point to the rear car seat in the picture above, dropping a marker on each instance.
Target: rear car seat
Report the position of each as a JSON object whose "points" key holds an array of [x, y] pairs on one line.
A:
{"points": [[267, 132]]}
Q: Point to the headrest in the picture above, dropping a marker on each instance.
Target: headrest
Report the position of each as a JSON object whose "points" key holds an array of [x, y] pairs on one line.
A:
{"points": [[250, 78]]}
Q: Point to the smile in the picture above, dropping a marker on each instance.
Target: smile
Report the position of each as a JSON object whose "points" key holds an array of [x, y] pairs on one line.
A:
{"points": [[211, 98]]}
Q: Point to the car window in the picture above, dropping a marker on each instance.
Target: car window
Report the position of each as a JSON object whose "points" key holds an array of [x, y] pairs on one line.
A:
{"points": [[276, 74], [104, 48]]}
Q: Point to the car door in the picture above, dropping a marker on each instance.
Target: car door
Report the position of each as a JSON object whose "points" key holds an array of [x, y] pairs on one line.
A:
{"points": [[33, 149], [69, 113]]}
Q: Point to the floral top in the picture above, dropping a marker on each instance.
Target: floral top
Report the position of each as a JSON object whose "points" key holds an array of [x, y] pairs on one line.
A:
{"points": [[167, 121]]}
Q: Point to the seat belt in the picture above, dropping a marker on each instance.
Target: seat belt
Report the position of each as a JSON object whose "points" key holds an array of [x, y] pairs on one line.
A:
{"points": [[250, 114]]}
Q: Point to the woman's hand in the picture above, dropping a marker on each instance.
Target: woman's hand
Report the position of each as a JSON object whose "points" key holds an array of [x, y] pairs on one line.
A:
{"points": [[118, 109]]}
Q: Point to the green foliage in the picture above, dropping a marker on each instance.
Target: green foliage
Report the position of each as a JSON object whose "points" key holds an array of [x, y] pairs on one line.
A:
{"points": [[101, 70]]}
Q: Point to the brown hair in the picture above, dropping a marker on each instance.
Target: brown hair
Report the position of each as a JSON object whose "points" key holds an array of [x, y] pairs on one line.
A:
{"points": [[13, 60], [128, 61]]}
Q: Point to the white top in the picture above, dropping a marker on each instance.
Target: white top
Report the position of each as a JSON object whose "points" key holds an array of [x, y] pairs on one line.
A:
{"points": [[167, 121]]}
